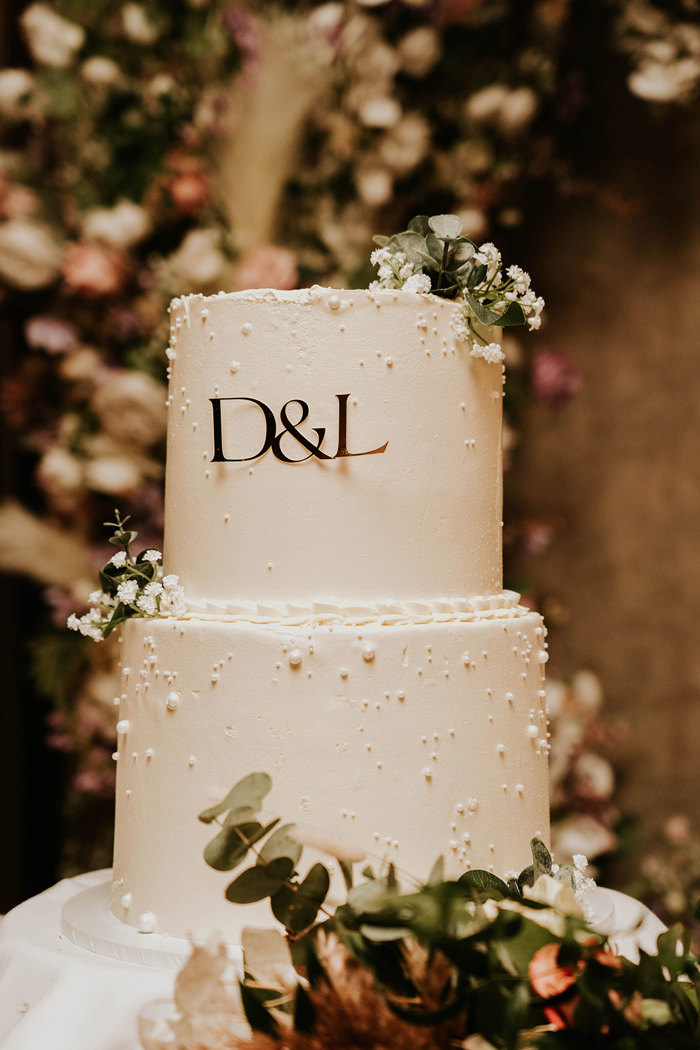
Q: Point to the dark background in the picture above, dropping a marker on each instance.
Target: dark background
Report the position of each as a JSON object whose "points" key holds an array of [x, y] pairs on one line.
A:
{"points": [[31, 776]]}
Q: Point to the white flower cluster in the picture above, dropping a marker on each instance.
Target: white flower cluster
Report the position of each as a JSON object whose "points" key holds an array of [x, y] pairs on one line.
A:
{"points": [[140, 597], [395, 271], [463, 329], [522, 293]]}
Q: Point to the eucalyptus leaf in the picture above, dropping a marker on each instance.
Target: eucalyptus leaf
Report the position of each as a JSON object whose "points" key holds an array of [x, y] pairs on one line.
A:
{"points": [[541, 858], [514, 315], [231, 845], [526, 877], [447, 227], [297, 906], [437, 872], [246, 795], [346, 870], [420, 224], [436, 248], [484, 884], [411, 244], [485, 314], [381, 240], [259, 882], [281, 844]]}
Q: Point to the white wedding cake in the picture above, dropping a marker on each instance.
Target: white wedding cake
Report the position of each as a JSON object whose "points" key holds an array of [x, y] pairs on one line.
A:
{"points": [[333, 512]]}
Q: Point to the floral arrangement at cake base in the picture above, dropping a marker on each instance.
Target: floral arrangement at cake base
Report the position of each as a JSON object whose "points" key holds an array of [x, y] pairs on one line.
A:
{"points": [[476, 962]]}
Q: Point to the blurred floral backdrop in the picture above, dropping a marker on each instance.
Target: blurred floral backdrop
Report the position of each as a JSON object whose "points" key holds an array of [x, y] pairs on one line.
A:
{"points": [[152, 149]]}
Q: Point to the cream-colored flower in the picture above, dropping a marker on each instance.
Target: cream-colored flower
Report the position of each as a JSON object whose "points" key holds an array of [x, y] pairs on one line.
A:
{"points": [[16, 87], [137, 26], [380, 111], [485, 105], [30, 257], [665, 82], [59, 472], [586, 691], [131, 408], [406, 145], [122, 226], [517, 111], [81, 366], [198, 262], [581, 833], [101, 71], [375, 184], [419, 51], [115, 475], [52, 40]]}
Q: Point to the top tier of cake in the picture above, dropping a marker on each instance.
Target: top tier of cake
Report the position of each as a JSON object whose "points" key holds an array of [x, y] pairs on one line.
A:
{"points": [[329, 447]]}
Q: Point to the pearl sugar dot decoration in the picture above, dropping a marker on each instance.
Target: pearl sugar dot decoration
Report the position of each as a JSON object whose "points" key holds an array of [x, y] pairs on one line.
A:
{"points": [[295, 658], [368, 653], [172, 700], [147, 922]]}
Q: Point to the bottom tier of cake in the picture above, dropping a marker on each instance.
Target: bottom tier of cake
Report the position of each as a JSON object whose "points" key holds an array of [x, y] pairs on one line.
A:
{"points": [[411, 740]]}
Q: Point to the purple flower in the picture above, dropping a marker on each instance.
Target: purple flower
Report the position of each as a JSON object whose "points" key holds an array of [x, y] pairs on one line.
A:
{"points": [[555, 377], [241, 27], [51, 334]]}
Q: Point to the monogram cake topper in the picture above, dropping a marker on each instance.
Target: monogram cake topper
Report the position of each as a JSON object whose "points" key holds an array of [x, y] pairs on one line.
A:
{"points": [[273, 438]]}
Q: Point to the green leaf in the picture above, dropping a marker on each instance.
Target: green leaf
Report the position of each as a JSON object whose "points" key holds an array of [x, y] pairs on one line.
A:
{"points": [[541, 858], [526, 877], [281, 844], [259, 882], [381, 240], [231, 845], [297, 906], [346, 870], [485, 314], [246, 795], [304, 1011], [436, 248], [420, 224], [447, 227], [437, 872], [514, 315], [412, 244], [484, 884], [257, 1015]]}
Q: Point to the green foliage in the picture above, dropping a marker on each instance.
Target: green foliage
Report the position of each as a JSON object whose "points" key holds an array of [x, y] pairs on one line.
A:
{"points": [[458, 953]]}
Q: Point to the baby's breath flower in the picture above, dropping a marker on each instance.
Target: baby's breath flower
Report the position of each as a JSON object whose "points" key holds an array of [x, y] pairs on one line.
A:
{"points": [[151, 555], [170, 582], [417, 282], [127, 591], [492, 352], [153, 589], [147, 604], [118, 560]]}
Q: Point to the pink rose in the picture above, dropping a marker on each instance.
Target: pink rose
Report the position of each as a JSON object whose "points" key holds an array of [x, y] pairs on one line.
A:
{"points": [[555, 377], [267, 266], [92, 271], [189, 191], [18, 202]]}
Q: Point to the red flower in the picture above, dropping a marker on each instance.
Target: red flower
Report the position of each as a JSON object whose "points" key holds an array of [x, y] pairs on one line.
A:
{"points": [[546, 976]]}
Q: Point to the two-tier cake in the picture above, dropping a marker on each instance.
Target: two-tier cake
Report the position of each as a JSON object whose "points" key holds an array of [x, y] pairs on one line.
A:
{"points": [[333, 511]]}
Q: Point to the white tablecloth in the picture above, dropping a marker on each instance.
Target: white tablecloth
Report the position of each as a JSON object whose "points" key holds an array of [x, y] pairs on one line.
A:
{"points": [[55, 995]]}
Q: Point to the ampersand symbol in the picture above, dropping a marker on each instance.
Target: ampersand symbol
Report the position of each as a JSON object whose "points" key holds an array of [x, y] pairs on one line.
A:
{"points": [[292, 428]]}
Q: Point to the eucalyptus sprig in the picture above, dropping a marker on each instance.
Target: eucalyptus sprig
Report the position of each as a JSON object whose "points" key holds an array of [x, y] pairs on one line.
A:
{"points": [[433, 255], [474, 962], [130, 586]]}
